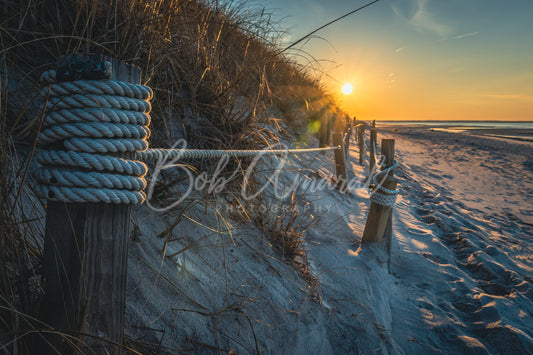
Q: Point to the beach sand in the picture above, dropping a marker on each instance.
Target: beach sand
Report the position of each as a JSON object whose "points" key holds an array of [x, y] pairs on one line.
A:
{"points": [[461, 277], [491, 174], [467, 208]]}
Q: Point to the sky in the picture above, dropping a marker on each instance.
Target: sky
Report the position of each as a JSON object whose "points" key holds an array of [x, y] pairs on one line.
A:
{"points": [[420, 59]]}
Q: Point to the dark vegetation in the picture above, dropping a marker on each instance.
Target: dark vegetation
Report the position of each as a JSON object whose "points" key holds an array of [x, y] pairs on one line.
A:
{"points": [[219, 82]]}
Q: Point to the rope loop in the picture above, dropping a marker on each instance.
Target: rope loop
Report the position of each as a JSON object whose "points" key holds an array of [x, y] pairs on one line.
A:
{"points": [[91, 120], [100, 87], [382, 195]]}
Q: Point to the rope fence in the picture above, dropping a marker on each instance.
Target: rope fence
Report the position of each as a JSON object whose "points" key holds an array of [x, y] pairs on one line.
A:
{"points": [[91, 168], [94, 119]]}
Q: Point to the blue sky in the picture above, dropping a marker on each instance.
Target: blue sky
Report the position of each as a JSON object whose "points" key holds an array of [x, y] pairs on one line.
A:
{"points": [[422, 59]]}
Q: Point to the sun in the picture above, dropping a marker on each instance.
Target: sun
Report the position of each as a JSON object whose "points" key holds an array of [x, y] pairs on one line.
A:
{"points": [[347, 89]]}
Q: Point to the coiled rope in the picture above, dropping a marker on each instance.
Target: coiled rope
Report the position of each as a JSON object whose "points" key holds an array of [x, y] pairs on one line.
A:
{"points": [[382, 195], [94, 119]]}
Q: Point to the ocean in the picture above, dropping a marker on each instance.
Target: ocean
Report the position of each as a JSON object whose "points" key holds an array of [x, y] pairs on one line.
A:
{"points": [[517, 130]]}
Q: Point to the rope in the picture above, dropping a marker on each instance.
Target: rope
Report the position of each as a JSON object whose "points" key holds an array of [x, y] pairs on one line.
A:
{"points": [[90, 162], [158, 153], [382, 195], [93, 119]]}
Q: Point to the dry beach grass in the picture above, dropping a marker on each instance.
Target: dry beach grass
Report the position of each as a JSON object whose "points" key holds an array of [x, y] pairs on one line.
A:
{"points": [[218, 275], [217, 74]]}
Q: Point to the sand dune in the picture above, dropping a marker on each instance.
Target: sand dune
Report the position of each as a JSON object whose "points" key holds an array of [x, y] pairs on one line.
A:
{"points": [[461, 276]]}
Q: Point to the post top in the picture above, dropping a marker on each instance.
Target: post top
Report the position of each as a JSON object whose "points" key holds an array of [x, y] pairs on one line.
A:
{"points": [[80, 66]]}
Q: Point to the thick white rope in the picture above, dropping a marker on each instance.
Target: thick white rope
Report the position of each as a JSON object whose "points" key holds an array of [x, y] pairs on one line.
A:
{"points": [[94, 119], [382, 195], [158, 153], [88, 161], [99, 87], [96, 115]]}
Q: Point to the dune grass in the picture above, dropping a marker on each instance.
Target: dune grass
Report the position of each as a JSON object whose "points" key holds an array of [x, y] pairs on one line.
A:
{"points": [[217, 74]]}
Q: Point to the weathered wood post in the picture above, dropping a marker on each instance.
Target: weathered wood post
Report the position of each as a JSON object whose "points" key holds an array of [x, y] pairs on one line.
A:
{"points": [[373, 142], [360, 134], [346, 140], [354, 124], [86, 248], [340, 162], [347, 137], [378, 228]]}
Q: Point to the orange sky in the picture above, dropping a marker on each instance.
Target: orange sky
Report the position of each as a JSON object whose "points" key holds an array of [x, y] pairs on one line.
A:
{"points": [[423, 59]]}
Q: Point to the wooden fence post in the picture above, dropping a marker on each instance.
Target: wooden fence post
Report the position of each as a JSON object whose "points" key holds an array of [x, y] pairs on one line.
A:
{"points": [[347, 137], [86, 248], [378, 228], [340, 163], [361, 131], [373, 142]]}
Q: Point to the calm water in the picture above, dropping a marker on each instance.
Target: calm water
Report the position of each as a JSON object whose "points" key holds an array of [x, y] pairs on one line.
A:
{"points": [[503, 129]]}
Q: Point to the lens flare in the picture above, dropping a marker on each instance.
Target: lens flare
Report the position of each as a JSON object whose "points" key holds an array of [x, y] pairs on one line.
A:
{"points": [[347, 89]]}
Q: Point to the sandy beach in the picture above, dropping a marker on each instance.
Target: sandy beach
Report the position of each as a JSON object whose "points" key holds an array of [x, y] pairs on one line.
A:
{"points": [[491, 174], [466, 208], [461, 277]]}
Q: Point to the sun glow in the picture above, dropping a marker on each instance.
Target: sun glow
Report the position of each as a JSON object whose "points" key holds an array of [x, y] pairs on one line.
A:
{"points": [[347, 89]]}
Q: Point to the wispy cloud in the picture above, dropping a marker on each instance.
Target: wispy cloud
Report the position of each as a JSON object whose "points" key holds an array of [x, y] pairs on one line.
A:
{"points": [[424, 19], [419, 16], [398, 50], [466, 35]]}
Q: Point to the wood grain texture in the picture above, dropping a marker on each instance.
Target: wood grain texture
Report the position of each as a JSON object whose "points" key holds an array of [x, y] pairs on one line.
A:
{"points": [[340, 162], [85, 256], [360, 138], [373, 145], [378, 227], [348, 135]]}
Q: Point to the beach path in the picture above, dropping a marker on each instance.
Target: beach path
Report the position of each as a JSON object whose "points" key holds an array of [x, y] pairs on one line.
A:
{"points": [[463, 249]]}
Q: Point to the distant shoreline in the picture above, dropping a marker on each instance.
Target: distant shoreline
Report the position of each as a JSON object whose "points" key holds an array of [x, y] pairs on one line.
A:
{"points": [[514, 130], [438, 121]]}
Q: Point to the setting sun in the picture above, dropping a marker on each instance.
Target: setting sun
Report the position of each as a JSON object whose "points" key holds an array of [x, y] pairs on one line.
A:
{"points": [[347, 89]]}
